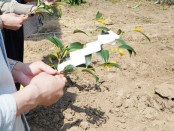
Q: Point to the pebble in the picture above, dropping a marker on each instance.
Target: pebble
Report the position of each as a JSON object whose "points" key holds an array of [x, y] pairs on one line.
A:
{"points": [[84, 125]]}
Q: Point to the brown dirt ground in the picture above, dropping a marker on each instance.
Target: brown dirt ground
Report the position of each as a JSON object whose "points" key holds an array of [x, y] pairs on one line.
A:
{"points": [[121, 100]]}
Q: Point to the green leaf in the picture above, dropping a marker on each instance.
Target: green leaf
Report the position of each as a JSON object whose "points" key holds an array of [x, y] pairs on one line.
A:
{"points": [[98, 15], [59, 12], [144, 35], [79, 31], [88, 59], [88, 67], [126, 46], [121, 41], [68, 67], [103, 28], [89, 71], [129, 48], [104, 32], [105, 55], [42, 10], [50, 11], [50, 58], [55, 66], [119, 32], [111, 64], [56, 41], [54, 54], [99, 55], [75, 46], [57, 4]]}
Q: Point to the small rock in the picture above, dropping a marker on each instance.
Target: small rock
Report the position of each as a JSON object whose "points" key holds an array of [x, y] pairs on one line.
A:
{"points": [[122, 120], [118, 103], [69, 117], [84, 125], [166, 90]]}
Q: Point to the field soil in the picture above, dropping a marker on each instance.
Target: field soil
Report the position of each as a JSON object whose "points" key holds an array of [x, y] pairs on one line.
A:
{"points": [[137, 98]]}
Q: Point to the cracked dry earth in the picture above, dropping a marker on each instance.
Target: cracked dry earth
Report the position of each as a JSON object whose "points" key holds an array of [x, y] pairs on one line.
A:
{"points": [[137, 98]]}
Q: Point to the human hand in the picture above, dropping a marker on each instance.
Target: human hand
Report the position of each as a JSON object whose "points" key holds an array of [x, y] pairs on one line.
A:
{"points": [[23, 73], [48, 88], [13, 21], [44, 89]]}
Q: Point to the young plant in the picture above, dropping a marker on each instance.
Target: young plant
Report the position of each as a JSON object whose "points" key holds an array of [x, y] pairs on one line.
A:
{"points": [[44, 8], [103, 55]]}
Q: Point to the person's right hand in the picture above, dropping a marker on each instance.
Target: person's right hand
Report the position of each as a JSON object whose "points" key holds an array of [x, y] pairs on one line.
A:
{"points": [[44, 89], [13, 21], [48, 88]]}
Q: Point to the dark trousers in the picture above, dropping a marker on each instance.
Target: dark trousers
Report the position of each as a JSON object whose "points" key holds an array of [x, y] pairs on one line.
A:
{"points": [[14, 44]]}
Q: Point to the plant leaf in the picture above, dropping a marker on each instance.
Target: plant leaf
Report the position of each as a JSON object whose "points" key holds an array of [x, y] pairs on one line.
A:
{"points": [[54, 54], [98, 15], [105, 55], [104, 32], [59, 12], [88, 59], [88, 67], [79, 31], [57, 4], [89, 71], [55, 66], [42, 10], [111, 64], [68, 67], [56, 41], [103, 28], [119, 32], [121, 41], [50, 58], [144, 35], [99, 55], [129, 48], [114, 64], [75, 46]]}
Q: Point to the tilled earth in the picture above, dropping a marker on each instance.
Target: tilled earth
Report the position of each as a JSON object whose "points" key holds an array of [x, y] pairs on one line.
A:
{"points": [[139, 97]]}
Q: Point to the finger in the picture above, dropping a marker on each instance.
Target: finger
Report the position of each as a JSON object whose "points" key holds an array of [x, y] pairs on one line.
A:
{"points": [[24, 17], [61, 75], [64, 79], [46, 68]]}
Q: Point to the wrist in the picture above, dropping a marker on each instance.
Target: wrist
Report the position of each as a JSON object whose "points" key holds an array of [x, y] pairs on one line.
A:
{"points": [[16, 70], [26, 99], [12, 64]]}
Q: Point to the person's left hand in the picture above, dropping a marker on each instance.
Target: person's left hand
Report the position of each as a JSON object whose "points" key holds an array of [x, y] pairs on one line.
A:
{"points": [[23, 73]]}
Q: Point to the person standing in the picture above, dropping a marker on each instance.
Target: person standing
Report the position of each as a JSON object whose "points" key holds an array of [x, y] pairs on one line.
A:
{"points": [[36, 92]]}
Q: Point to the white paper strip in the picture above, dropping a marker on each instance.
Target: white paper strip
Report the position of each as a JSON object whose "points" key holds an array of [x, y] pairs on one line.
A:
{"points": [[78, 57]]}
